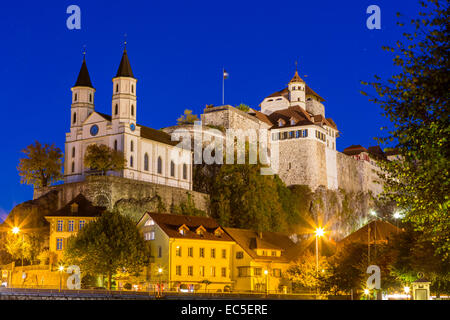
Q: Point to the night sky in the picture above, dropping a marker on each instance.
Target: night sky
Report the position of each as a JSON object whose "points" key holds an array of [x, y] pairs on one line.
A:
{"points": [[177, 51]]}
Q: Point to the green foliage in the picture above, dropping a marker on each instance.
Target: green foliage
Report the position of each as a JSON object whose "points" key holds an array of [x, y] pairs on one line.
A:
{"points": [[108, 244], [188, 208], [416, 102], [187, 118], [102, 158], [303, 275], [243, 107], [42, 165]]}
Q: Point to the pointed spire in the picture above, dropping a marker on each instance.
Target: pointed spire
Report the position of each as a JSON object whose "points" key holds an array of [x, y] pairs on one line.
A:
{"points": [[84, 80], [125, 67], [296, 78]]}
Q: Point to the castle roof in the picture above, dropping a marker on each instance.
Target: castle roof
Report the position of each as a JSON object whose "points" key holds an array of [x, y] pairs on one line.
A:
{"points": [[125, 67], [296, 78], [300, 117], [374, 152], [83, 80], [379, 230], [156, 135], [171, 223], [285, 93], [354, 150], [84, 208]]}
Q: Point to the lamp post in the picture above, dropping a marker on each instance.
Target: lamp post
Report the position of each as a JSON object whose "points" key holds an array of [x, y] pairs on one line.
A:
{"points": [[160, 270], [266, 272], [16, 230], [60, 269], [367, 292], [406, 289], [319, 233]]}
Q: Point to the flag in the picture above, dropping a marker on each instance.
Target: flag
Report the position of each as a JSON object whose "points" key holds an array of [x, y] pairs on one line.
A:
{"points": [[225, 74]]}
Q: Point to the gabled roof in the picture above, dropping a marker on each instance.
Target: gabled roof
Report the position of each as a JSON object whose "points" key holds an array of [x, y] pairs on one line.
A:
{"points": [[354, 150], [105, 116], [296, 78], [250, 240], [380, 231], [124, 67], [83, 80], [170, 223], [156, 135], [285, 93], [85, 209]]}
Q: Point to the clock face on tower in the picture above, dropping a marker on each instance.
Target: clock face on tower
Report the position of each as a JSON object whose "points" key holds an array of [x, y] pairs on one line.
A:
{"points": [[94, 130], [132, 127]]}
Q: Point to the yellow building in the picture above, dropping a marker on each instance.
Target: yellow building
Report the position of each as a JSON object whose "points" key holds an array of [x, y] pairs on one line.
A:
{"points": [[68, 220], [189, 254], [260, 260]]}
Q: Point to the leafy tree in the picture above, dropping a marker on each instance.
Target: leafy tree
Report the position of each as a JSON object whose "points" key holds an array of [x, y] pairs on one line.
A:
{"points": [[416, 102], [188, 208], [42, 165], [243, 107], [187, 118], [108, 244], [303, 274], [103, 158], [18, 246]]}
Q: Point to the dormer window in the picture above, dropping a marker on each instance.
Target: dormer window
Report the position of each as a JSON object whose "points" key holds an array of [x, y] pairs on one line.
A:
{"points": [[183, 229], [280, 122], [74, 208], [200, 231], [218, 232], [149, 222], [292, 122]]}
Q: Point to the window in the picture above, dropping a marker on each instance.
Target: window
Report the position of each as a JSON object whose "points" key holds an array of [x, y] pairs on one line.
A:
{"points": [[178, 270], [90, 97], [213, 253], [76, 97], [172, 169], [117, 87], [159, 252], [74, 117], [159, 165], [213, 271], [146, 162], [70, 226], [132, 88], [224, 272], [292, 122], [60, 225], [239, 255], [132, 110], [190, 252], [280, 123], [190, 271], [275, 136], [59, 244], [81, 224], [298, 134], [291, 134], [73, 167], [274, 253], [184, 171], [115, 145], [305, 133], [202, 271], [264, 253], [243, 271], [257, 271], [277, 273], [73, 152], [131, 161], [224, 253], [116, 109], [150, 222], [131, 145], [285, 135], [202, 252], [178, 251], [149, 235]]}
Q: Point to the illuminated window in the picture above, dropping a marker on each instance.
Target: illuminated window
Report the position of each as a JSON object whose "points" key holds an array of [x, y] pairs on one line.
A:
{"points": [[213, 253], [60, 225], [202, 252], [224, 272], [190, 271], [70, 226], [239, 255], [202, 271], [258, 271], [150, 222], [190, 252], [213, 271], [81, 224], [178, 251], [178, 270], [59, 244], [224, 253]]}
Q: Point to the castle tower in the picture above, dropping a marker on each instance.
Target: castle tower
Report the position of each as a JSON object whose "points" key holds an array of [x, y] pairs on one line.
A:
{"points": [[124, 92], [296, 87], [82, 97]]}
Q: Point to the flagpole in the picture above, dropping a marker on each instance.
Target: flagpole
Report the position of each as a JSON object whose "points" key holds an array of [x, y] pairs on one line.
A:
{"points": [[223, 86]]}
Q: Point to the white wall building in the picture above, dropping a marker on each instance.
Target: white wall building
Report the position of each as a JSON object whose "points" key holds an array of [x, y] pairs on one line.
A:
{"points": [[151, 155]]}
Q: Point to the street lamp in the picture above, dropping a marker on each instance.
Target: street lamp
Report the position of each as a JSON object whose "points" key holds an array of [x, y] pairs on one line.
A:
{"points": [[367, 292], [406, 289], [160, 270], [16, 230], [60, 269], [319, 233], [266, 272]]}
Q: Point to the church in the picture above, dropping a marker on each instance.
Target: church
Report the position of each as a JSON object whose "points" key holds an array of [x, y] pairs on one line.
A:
{"points": [[150, 154]]}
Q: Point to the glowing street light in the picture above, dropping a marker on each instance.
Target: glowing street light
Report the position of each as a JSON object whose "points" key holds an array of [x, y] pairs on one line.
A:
{"points": [[319, 233], [16, 231], [266, 272], [60, 269], [406, 289], [160, 270], [367, 292]]}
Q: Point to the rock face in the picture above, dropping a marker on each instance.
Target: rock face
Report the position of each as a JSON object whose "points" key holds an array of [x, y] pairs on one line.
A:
{"points": [[130, 197]]}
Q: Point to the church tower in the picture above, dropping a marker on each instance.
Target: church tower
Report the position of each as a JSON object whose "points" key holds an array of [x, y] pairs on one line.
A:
{"points": [[124, 92], [82, 97], [296, 87]]}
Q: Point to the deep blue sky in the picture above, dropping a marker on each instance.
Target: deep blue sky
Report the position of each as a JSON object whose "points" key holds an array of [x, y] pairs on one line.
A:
{"points": [[177, 50]]}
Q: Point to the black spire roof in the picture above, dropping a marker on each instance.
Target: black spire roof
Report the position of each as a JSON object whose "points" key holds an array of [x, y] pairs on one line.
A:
{"points": [[124, 67], [83, 77]]}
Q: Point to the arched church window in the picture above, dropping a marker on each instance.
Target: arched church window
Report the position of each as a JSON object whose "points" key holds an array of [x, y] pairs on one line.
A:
{"points": [[73, 167], [115, 145], [74, 117], [172, 169], [117, 88], [159, 165], [76, 97], [131, 146], [90, 97], [132, 88], [184, 171], [116, 109], [131, 161], [146, 162], [132, 110], [73, 152]]}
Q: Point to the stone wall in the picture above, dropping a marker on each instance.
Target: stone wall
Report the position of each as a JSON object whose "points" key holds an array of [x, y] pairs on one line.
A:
{"points": [[127, 195], [229, 117]]}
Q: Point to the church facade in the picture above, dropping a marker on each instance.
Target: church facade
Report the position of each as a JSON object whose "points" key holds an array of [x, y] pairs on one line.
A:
{"points": [[150, 154]]}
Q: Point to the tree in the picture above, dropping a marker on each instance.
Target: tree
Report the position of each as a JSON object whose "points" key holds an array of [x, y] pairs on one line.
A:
{"points": [[187, 118], [103, 158], [42, 165], [416, 102], [108, 244], [18, 246], [243, 107], [302, 272]]}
